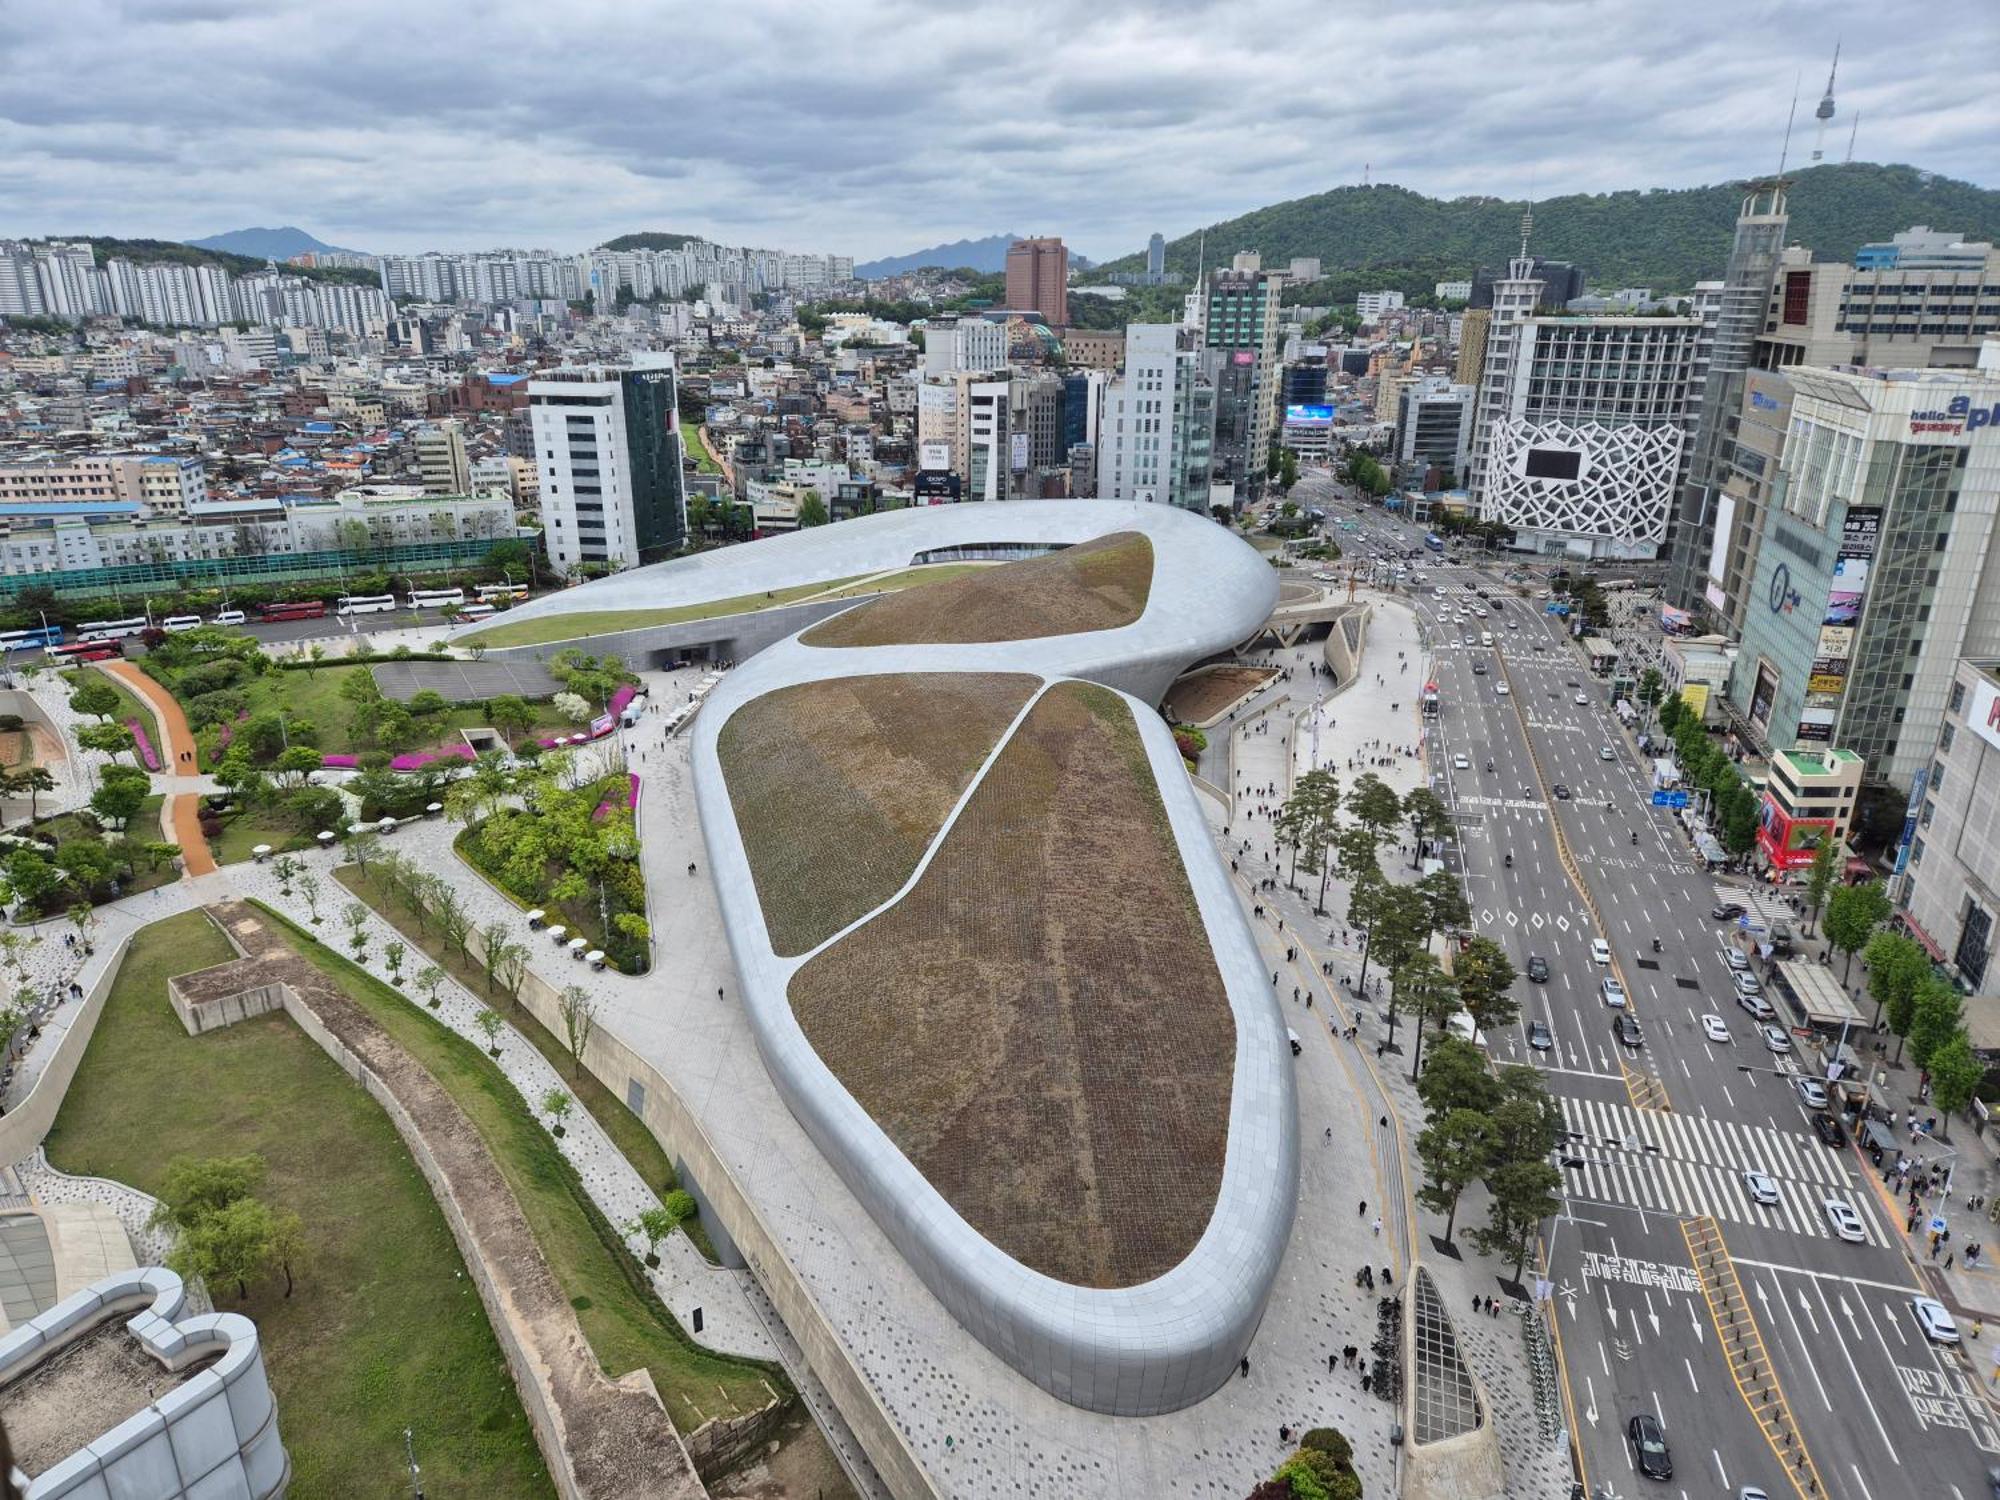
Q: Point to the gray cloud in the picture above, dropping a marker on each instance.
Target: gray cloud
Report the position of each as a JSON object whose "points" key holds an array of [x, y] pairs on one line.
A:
{"points": [[879, 126]]}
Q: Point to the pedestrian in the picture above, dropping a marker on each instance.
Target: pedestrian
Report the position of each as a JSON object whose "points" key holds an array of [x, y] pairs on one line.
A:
{"points": [[1378, 1225], [690, 867], [1361, 1212], [1329, 1363], [1364, 1383], [1246, 1367], [1947, 1261], [1383, 1122], [1387, 1279]]}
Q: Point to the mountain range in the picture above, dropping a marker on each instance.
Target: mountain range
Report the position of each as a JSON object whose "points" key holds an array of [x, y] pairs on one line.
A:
{"points": [[269, 244], [1664, 238], [988, 256]]}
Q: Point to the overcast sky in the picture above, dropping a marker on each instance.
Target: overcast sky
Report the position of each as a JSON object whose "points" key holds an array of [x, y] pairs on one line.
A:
{"points": [[882, 126]]}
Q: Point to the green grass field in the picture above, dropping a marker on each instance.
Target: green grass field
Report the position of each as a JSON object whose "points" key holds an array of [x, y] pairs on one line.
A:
{"points": [[383, 1331], [129, 707], [244, 831], [539, 632]]}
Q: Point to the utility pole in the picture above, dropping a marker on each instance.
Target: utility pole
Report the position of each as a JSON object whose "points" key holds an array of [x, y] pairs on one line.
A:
{"points": [[416, 1474]]}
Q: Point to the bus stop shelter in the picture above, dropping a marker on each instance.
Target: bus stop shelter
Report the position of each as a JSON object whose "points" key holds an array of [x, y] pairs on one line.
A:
{"points": [[1816, 995]]}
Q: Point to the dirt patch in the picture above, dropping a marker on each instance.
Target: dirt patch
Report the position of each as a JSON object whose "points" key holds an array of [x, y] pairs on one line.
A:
{"points": [[1039, 1025], [1200, 696], [839, 787], [1096, 585], [81, 1392], [796, 1464]]}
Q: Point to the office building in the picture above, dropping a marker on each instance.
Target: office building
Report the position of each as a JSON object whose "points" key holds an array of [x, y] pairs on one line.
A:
{"points": [[1038, 279], [1809, 799], [1434, 426], [1472, 327], [1094, 348], [1304, 382], [1934, 308], [1947, 886], [1453, 291], [1581, 434], [1560, 281], [1156, 436], [1873, 574], [1370, 306], [1239, 326], [608, 442], [1922, 248], [978, 344], [158, 484], [1156, 257], [441, 459]]}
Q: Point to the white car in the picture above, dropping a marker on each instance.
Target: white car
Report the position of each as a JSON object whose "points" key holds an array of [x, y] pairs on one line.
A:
{"points": [[1846, 1222], [1736, 961], [1746, 983], [1777, 1039], [1762, 1188], [1502, 689], [1600, 951], [1935, 1320], [175, 624], [1714, 1027], [1581, 699], [1605, 752], [1326, 578], [1812, 1093], [1460, 763], [1614, 993], [1513, 624]]}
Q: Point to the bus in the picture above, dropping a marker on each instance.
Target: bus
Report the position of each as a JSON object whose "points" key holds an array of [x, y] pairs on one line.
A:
{"points": [[83, 651], [290, 609], [1433, 541], [436, 598], [496, 593], [365, 604], [28, 640], [479, 611], [110, 630], [1431, 709]]}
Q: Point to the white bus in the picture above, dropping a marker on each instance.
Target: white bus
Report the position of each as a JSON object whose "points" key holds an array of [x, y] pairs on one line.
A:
{"points": [[473, 612], [365, 604], [490, 593], [436, 598], [109, 630]]}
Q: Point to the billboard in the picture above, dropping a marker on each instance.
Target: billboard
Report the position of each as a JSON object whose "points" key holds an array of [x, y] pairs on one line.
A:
{"points": [[1021, 452], [934, 456], [1860, 530], [1725, 531], [1675, 621], [935, 488], [1982, 712], [1308, 416], [1763, 695]]}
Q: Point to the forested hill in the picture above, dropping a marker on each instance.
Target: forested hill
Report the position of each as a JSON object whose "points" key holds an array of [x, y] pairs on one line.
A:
{"points": [[1664, 238]]}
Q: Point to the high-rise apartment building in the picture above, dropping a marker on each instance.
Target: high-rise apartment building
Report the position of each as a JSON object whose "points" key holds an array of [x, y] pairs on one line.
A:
{"points": [[1038, 279], [607, 440], [1156, 257], [441, 460], [1239, 323], [968, 344], [1156, 435], [1369, 306], [1472, 328]]}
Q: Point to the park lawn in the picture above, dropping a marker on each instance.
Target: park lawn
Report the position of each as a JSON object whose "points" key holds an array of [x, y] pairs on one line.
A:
{"points": [[582, 917], [244, 831], [909, 578], [697, 449], [143, 829], [546, 628], [627, 1131], [626, 1324], [384, 1331], [129, 707]]}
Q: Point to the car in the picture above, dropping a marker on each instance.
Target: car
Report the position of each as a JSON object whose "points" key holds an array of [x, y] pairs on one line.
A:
{"points": [[1561, 791], [1502, 689], [1935, 1320], [1600, 951], [1845, 1221], [1727, 911], [1605, 752], [1613, 992], [1736, 960], [1540, 1037], [1714, 1027], [1753, 1492], [1777, 1039], [1479, 612], [1326, 578], [1471, 640], [1479, 669], [1812, 1093], [1581, 699], [1513, 624], [1746, 983], [1649, 1447], [1762, 1188], [1627, 1031], [1538, 968], [1758, 1006], [1827, 1128]]}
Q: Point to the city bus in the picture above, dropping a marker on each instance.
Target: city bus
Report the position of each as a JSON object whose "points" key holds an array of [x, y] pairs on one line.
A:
{"points": [[28, 640], [365, 604], [110, 630], [497, 593], [477, 611], [436, 598], [1433, 541], [83, 651], [289, 609]]}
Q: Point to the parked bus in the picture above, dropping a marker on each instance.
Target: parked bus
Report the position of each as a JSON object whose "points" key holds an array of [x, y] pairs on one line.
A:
{"points": [[290, 609], [28, 640], [436, 598], [82, 651], [496, 593], [1433, 541], [365, 604], [109, 630], [472, 612]]}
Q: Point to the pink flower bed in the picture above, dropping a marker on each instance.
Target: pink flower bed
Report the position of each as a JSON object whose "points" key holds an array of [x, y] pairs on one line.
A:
{"points": [[416, 760], [145, 745], [603, 809], [340, 762]]}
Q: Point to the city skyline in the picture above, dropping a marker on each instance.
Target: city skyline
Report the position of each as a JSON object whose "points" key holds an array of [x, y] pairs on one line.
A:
{"points": [[415, 140]]}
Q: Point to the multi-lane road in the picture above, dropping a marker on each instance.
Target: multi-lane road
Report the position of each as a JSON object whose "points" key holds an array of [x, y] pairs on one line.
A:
{"points": [[1661, 1134]]}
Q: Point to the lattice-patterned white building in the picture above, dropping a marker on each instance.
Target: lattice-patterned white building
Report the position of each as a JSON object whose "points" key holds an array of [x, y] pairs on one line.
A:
{"points": [[1581, 435]]}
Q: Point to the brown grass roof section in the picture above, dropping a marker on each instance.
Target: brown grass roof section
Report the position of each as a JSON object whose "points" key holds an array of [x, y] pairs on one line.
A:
{"points": [[839, 787], [1096, 585], [1039, 1025]]}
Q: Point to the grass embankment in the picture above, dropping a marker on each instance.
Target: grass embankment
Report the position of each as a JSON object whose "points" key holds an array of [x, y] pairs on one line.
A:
{"points": [[625, 1323], [383, 1331], [244, 831], [628, 1133], [129, 708], [566, 627], [697, 449]]}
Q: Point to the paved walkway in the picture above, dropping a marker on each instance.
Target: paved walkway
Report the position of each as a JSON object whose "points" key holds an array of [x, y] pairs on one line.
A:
{"points": [[180, 813]]}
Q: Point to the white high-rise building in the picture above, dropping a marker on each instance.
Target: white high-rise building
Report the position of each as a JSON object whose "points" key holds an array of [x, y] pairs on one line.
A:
{"points": [[1155, 440], [607, 440]]}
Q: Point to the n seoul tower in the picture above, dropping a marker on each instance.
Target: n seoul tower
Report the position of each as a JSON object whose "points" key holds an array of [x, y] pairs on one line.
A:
{"points": [[1825, 110]]}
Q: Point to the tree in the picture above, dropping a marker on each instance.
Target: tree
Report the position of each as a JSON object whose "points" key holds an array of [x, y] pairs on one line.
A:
{"points": [[812, 509], [1454, 1149], [95, 698], [1819, 878], [429, 979], [572, 706], [392, 954], [1485, 979], [1938, 1009], [364, 846], [578, 1008], [113, 740], [1429, 819], [1895, 967], [1955, 1074], [509, 963], [494, 941], [1373, 803], [1651, 686], [490, 1023], [1523, 1194], [192, 1187], [1429, 994], [82, 916], [233, 1244], [1444, 903], [1399, 931], [315, 654], [288, 1243], [1457, 1077], [510, 715], [1852, 914], [453, 920], [309, 889], [1308, 819], [557, 1103], [35, 780], [32, 877], [355, 915], [295, 766], [653, 1226], [287, 870], [119, 796]]}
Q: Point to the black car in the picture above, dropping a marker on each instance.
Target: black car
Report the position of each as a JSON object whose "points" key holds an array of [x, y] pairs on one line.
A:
{"points": [[1561, 791], [1649, 1447], [1479, 669], [1540, 1037], [1626, 1030], [1827, 1128], [1538, 969], [1726, 911]]}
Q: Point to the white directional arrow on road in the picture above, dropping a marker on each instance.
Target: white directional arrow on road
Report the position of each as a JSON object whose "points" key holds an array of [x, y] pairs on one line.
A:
{"points": [[1695, 1324], [1603, 1062], [1590, 1416], [1651, 1316], [1611, 1311], [1848, 1313], [1806, 1308]]}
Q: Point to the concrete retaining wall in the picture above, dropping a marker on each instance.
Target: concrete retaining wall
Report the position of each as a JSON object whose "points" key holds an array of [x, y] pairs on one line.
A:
{"points": [[24, 1127]]}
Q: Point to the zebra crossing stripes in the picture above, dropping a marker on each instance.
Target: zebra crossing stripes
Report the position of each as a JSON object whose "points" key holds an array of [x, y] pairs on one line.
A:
{"points": [[1691, 1165]]}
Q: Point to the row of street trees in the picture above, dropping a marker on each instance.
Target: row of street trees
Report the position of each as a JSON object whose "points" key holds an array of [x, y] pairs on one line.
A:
{"points": [[1703, 764], [1495, 1130]]}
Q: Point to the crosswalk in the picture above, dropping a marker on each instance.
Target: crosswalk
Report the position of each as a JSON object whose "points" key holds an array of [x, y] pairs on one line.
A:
{"points": [[1690, 1165]]}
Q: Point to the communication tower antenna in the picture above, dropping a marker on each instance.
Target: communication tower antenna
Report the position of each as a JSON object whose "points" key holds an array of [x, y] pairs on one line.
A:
{"points": [[1366, 166], [1850, 139], [1825, 110], [1785, 151]]}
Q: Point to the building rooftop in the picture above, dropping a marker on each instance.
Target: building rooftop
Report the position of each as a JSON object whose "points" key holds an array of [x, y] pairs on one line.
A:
{"points": [[1816, 762]]}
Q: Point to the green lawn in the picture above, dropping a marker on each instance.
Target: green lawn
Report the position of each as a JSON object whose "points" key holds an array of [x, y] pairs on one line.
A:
{"points": [[909, 578], [697, 449], [625, 1323], [383, 1331], [129, 707], [547, 628], [244, 831], [628, 1133]]}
